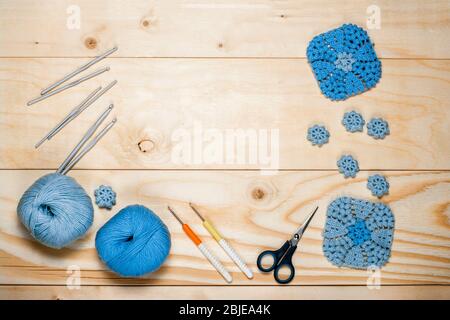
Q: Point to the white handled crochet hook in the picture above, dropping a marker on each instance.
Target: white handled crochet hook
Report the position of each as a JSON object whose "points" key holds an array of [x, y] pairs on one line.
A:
{"points": [[203, 249], [78, 70], [86, 137], [224, 244], [76, 112], [69, 85]]}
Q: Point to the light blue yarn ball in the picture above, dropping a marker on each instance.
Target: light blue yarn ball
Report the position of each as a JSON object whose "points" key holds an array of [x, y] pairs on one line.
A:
{"points": [[133, 242], [56, 210]]}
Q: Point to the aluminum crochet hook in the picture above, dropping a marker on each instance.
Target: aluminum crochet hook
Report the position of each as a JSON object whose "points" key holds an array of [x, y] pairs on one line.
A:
{"points": [[69, 85], [66, 119], [75, 112], [85, 138], [78, 70], [89, 146]]}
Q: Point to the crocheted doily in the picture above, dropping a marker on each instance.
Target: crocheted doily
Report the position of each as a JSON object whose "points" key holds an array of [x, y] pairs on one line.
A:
{"points": [[358, 234], [105, 197], [378, 128], [348, 166], [353, 121], [378, 185], [344, 62], [318, 135]]}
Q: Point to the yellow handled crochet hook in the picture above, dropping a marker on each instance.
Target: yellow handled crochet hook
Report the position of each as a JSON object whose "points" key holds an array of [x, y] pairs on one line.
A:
{"points": [[203, 249], [224, 244]]}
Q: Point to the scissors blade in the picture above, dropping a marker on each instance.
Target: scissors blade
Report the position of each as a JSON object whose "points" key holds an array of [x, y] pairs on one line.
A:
{"points": [[297, 235]]}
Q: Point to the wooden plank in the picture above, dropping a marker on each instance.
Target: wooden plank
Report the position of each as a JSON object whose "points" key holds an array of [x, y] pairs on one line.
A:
{"points": [[254, 212], [225, 293], [156, 99], [216, 28]]}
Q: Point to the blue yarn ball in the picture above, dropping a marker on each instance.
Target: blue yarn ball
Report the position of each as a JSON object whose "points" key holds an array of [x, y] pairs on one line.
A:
{"points": [[133, 242], [56, 210]]}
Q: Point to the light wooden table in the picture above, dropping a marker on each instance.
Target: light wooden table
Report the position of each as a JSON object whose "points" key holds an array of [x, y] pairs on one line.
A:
{"points": [[227, 65]]}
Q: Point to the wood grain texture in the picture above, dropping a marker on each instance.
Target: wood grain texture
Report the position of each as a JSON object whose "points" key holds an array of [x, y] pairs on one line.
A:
{"points": [[216, 28], [225, 293], [254, 212], [156, 98], [227, 65]]}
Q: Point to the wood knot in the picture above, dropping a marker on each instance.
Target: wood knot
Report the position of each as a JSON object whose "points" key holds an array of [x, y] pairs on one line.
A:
{"points": [[220, 45], [261, 193], [146, 145], [258, 194], [90, 43], [148, 21], [282, 16]]}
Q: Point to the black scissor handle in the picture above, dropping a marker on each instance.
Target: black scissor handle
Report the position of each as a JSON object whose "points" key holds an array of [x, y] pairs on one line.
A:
{"points": [[276, 255], [286, 262], [261, 257]]}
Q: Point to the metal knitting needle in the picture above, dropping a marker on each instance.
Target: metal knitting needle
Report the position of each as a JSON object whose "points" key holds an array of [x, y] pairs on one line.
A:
{"points": [[66, 119], [203, 249], [69, 85], [224, 244], [86, 137], [75, 113], [77, 71], [89, 146]]}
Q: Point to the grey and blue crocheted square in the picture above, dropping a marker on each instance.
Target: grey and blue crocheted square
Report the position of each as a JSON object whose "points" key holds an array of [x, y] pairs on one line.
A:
{"points": [[358, 234], [344, 62]]}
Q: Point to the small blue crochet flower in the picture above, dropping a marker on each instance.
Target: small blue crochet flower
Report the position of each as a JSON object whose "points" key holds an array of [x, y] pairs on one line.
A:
{"points": [[105, 197], [318, 135], [358, 234], [348, 166], [344, 62], [378, 128], [353, 121], [378, 185]]}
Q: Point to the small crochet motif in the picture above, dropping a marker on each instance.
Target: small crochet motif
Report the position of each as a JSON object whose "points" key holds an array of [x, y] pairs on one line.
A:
{"points": [[358, 234], [344, 62], [353, 121], [378, 128], [378, 185], [105, 197], [348, 166], [318, 135]]}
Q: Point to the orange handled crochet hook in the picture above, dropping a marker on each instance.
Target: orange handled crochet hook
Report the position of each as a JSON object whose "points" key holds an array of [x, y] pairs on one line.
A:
{"points": [[203, 249], [224, 244]]}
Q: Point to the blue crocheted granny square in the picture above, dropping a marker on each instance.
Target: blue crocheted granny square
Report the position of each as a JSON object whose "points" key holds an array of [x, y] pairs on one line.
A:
{"points": [[358, 234], [344, 62]]}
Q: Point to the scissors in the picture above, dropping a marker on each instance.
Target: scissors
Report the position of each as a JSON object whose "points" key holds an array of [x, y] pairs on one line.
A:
{"points": [[282, 258]]}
